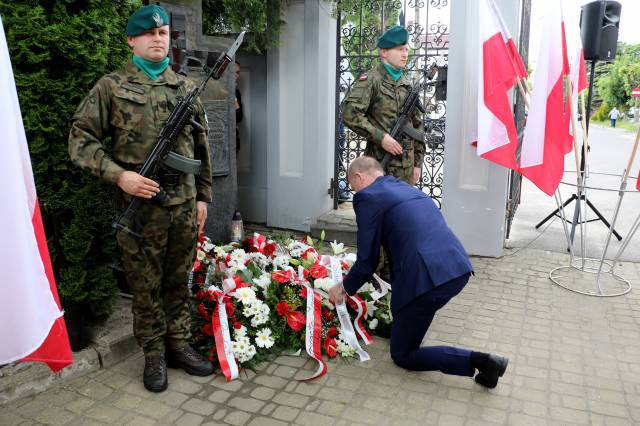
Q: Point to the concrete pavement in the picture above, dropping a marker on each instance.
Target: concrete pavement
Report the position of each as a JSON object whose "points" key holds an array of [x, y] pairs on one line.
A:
{"points": [[574, 360]]}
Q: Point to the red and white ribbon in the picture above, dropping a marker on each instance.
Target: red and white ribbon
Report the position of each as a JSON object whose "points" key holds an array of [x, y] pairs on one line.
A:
{"points": [[343, 315], [361, 309], [313, 335], [220, 323]]}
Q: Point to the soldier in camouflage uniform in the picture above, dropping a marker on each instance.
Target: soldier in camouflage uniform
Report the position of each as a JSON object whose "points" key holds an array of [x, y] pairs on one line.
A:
{"points": [[131, 106], [374, 103]]}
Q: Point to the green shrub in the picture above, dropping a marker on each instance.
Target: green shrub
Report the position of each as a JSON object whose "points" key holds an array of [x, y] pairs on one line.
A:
{"points": [[602, 113], [59, 49]]}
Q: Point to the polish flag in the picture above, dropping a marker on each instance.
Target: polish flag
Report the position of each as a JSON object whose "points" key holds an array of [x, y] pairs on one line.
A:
{"points": [[31, 324], [547, 137], [497, 139], [516, 59]]}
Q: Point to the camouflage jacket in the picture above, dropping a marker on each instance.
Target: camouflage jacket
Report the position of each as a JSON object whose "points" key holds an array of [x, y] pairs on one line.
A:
{"points": [[372, 108], [131, 109]]}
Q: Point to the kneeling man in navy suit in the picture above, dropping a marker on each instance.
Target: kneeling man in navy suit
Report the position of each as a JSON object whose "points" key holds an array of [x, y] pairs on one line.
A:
{"points": [[429, 267]]}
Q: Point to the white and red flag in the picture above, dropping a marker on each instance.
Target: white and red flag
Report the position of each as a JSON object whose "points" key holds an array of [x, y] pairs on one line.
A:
{"points": [[31, 324], [496, 137], [547, 137], [516, 60]]}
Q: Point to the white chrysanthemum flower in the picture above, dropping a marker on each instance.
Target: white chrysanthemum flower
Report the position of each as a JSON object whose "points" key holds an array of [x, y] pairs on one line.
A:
{"points": [[235, 348], [280, 262], [239, 333], [249, 353], [259, 259], [246, 295], [373, 323], [337, 248], [247, 311], [256, 307], [264, 339], [343, 347], [265, 310], [259, 320], [263, 281], [207, 246]]}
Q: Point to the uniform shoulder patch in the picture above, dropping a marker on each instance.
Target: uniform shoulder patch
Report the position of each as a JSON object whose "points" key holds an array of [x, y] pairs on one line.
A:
{"points": [[363, 77]]}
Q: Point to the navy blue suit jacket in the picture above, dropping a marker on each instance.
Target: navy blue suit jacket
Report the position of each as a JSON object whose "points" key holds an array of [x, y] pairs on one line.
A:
{"points": [[424, 253]]}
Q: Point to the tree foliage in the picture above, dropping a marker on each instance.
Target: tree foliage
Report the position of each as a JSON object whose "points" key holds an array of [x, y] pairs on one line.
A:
{"points": [[261, 19], [58, 50], [620, 77]]}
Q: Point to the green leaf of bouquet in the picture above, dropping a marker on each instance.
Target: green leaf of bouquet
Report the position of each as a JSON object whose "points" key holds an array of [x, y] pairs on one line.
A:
{"points": [[294, 262], [245, 275]]}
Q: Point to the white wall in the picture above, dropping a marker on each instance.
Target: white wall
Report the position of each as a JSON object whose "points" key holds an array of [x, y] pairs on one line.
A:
{"points": [[300, 116], [475, 190]]}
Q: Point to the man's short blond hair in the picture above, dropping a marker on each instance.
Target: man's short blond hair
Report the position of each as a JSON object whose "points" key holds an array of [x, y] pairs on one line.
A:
{"points": [[365, 164]]}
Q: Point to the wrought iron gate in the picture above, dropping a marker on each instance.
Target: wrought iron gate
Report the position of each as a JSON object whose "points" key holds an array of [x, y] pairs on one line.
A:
{"points": [[360, 23]]}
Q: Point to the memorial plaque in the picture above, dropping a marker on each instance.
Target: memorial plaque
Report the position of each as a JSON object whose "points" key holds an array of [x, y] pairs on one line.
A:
{"points": [[218, 116]]}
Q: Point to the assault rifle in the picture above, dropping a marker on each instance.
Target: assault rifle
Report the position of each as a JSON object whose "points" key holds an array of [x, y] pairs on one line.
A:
{"points": [[162, 154], [404, 124]]}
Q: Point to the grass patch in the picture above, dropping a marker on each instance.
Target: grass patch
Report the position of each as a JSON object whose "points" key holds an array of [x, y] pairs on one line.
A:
{"points": [[631, 126]]}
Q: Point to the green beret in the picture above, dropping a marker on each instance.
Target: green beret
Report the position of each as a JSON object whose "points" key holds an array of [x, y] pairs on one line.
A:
{"points": [[394, 36], [145, 18]]}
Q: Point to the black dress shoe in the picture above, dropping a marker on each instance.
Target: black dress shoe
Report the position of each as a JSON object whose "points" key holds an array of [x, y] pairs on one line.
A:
{"points": [[155, 373], [190, 361], [495, 368]]}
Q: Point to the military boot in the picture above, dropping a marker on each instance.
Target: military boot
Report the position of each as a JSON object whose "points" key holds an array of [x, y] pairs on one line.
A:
{"points": [[155, 373], [190, 361]]}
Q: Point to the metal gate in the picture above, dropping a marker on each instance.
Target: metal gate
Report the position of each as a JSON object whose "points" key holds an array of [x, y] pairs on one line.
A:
{"points": [[360, 23], [515, 178]]}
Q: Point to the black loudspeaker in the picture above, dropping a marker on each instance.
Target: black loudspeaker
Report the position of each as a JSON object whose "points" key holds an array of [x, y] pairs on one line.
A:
{"points": [[599, 23]]}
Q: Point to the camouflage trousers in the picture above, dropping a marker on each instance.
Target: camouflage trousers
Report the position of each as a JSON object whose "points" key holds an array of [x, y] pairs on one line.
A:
{"points": [[157, 268]]}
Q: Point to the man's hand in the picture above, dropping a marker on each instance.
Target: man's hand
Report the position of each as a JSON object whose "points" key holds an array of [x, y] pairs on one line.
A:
{"points": [[201, 215], [336, 294], [139, 186], [391, 145], [417, 173]]}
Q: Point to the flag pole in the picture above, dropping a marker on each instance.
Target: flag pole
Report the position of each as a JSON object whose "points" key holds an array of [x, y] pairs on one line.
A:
{"points": [[623, 187]]}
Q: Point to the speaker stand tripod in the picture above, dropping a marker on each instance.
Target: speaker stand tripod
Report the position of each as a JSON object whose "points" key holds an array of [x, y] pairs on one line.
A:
{"points": [[576, 214]]}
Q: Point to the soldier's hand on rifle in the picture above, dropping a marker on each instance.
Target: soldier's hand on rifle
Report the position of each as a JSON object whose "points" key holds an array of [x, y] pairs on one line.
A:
{"points": [[139, 186], [391, 145]]}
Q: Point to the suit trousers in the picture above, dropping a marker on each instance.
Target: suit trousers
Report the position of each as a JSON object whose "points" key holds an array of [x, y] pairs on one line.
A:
{"points": [[410, 325]]}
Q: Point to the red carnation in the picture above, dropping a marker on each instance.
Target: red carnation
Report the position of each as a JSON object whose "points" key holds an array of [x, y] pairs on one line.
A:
{"points": [[203, 312], [208, 329], [269, 249], [237, 325], [282, 308], [200, 294], [330, 347], [332, 332]]}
